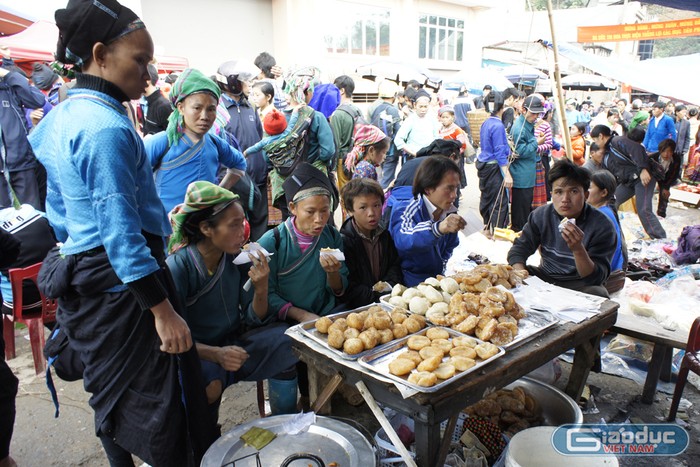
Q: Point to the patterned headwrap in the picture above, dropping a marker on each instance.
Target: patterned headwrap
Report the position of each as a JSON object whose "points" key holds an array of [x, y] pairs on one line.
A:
{"points": [[639, 118], [83, 23], [199, 196], [190, 81], [365, 136], [446, 108], [300, 80]]}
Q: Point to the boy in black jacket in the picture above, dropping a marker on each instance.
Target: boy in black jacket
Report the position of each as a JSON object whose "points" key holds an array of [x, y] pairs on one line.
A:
{"points": [[370, 255]]}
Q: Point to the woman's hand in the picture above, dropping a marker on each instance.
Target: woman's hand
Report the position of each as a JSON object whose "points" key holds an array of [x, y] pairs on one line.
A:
{"points": [[231, 357], [330, 264], [507, 178], [452, 224], [171, 328], [260, 271]]}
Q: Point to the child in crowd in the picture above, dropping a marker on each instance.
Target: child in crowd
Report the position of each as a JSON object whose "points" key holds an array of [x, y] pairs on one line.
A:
{"points": [[450, 130], [370, 255], [595, 159], [578, 144], [275, 125], [371, 146]]}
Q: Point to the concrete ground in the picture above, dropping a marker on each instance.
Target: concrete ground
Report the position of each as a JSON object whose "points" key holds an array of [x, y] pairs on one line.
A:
{"points": [[41, 439]]}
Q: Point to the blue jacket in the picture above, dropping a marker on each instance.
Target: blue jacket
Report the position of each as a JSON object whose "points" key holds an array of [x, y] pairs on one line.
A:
{"points": [[16, 93], [494, 142], [524, 168], [100, 189], [666, 128], [423, 250]]}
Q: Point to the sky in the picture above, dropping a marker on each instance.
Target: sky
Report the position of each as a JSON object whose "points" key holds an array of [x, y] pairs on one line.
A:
{"points": [[44, 9]]}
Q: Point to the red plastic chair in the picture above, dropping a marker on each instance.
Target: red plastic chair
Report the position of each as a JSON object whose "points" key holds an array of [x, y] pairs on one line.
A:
{"points": [[691, 361], [34, 321]]}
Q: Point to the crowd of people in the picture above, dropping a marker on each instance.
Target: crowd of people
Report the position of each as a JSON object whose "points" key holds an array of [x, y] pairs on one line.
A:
{"points": [[139, 206]]}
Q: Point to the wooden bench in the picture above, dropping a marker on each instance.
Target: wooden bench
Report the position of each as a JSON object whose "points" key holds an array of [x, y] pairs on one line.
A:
{"points": [[664, 342]]}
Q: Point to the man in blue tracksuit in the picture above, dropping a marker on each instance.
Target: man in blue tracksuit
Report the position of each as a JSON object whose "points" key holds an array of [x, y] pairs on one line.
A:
{"points": [[425, 227], [17, 163]]}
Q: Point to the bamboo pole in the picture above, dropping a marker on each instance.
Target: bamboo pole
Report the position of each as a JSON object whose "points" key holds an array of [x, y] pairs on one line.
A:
{"points": [[384, 422], [557, 80]]}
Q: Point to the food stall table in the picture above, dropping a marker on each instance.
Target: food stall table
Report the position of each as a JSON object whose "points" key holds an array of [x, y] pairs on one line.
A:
{"points": [[428, 410]]}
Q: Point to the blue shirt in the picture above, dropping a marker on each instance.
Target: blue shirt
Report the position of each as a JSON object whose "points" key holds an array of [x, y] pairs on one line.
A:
{"points": [[179, 166], [617, 260], [100, 189], [494, 142]]}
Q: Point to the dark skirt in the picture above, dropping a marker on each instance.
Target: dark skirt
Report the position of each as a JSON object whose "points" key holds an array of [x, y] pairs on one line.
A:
{"points": [[136, 394], [493, 204]]}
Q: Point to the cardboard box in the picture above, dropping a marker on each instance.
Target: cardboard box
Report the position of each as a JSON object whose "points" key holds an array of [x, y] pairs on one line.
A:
{"points": [[685, 197]]}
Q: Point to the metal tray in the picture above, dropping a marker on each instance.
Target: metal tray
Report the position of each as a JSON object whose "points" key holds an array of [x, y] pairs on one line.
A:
{"points": [[534, 323], [309, 329], [378, 360], [331, 440], [384, 301]]}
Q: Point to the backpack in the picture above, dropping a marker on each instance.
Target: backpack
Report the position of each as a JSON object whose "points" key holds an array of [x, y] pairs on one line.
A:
{"points": [[288, 152], [383, 119], [357, 118], [358, 121]]}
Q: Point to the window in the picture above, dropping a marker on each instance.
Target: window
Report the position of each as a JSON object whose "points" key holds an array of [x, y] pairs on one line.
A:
{"points": [[645, 49], [440, 38], [358, 31]]}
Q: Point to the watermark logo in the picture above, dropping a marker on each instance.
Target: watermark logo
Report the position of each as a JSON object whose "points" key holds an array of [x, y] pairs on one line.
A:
{"points": [[620, 439]]}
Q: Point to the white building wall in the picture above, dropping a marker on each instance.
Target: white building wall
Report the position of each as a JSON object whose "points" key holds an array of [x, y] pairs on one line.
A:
{"points": [[210, 32]]}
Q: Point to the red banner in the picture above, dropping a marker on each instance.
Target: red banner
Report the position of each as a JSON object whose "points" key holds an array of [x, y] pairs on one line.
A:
{"points": [[640, 31]]}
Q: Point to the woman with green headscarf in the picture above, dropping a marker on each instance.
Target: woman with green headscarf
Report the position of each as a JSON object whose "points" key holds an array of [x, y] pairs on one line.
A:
{"points": [[235, 336], [641, 119], [187, 151]]}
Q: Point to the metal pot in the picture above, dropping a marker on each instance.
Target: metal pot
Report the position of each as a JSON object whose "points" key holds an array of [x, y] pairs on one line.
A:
{"points": [[328, 440], [556, 407]]}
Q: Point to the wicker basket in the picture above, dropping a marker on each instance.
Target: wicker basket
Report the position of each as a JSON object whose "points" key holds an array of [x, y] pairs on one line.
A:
{"points": [[476, 118]]}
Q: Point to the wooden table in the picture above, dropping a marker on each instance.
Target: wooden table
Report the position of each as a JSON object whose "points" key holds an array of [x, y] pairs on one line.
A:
{"points": [[428, 410], [664, 343]]}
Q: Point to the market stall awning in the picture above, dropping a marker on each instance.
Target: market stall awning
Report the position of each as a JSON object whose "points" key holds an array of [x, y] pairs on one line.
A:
{"points": [[37, 43], [670, 77]]}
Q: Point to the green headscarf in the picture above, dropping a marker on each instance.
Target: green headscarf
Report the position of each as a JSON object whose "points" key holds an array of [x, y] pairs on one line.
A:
{"points": [[199, 196], [190, 81], [640, 117]]}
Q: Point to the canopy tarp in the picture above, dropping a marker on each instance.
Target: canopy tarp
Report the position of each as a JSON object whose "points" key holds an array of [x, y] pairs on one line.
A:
{"points": [[690, 5], [672, 77], [37, 43]]}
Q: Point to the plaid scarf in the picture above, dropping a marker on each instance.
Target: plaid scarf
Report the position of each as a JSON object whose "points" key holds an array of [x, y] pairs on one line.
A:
{"points": [[301, 80], [190, 81], [200, 195], [365, 136]]}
